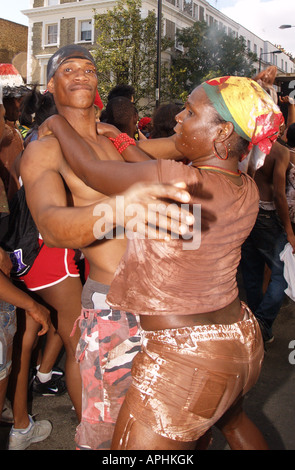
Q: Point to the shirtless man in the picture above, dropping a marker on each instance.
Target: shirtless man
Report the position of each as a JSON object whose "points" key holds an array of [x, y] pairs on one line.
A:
{"points": [[269, 236], [62, 206]]}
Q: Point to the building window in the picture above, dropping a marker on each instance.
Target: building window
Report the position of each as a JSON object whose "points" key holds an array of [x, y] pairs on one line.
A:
{"points": [[177, 45], [201, 14], [85, 30], [51, 34], [195, 11], [52, 2]]}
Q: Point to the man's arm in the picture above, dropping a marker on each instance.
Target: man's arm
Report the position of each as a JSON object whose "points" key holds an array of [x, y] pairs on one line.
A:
{"points": [[282, 159], [76, 227]]}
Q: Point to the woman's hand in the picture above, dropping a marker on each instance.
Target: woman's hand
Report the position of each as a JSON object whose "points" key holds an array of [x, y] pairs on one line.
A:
{"points": [[108, 130], [47, 127]]}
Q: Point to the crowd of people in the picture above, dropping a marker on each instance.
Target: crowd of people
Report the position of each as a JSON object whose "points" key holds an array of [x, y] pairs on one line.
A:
{"points": [[113, 300]]}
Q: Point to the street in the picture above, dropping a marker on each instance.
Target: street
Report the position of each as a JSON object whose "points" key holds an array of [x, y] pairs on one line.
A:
{"points": [[270, 404]]}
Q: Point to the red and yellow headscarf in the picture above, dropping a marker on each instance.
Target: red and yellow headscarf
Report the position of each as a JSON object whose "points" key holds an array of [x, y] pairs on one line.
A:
{"points": [[252, 111]]}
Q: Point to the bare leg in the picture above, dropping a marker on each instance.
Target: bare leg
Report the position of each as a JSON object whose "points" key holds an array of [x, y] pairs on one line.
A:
{"points": [[3, 388], [24, 341], [239, 431], [65, 298], [131, 435], [46, 352]]}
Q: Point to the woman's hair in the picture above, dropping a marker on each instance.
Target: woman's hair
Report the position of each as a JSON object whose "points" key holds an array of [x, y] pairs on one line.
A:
{"points": [[36, 107], [291, 135], [121, 112], [242, 145], [163, 121]]}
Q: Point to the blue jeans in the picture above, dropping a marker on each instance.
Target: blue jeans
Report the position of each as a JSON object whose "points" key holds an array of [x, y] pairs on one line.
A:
{"points": [[7, 332], [264, 245]]}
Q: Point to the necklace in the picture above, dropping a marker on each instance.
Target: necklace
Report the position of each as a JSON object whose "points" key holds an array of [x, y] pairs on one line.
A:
{"points": [[219, 170]]}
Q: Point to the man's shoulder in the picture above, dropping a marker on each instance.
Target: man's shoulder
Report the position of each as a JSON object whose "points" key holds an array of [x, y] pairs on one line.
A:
{"points": [[44, 153]]}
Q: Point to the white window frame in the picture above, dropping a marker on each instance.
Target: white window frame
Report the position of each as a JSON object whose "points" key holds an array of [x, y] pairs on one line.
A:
{"points": [[48, 3], [78, 24]]}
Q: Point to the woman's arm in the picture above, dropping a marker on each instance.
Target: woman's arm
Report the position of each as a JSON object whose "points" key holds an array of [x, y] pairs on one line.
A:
{"points": [[107, 177]]}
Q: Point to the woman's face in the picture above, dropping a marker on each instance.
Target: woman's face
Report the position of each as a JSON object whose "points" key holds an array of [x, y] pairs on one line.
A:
{"points": [[196, 126]]}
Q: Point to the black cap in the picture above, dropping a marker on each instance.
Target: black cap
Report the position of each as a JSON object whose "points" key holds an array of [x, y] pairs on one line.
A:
{"points": [[66, 52]]}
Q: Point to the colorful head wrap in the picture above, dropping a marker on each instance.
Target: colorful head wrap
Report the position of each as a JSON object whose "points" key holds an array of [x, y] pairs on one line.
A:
{"points": [[72, 51], [243, 102]]}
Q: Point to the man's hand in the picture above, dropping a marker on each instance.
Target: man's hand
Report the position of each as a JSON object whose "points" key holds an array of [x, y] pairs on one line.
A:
{"points": [[41, 315]]}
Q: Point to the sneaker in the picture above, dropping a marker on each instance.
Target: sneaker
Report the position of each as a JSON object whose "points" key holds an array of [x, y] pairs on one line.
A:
{"points": [[57, 372], [267, 336], [55, 386], [37, 431], [7, 414], [269, 339]]}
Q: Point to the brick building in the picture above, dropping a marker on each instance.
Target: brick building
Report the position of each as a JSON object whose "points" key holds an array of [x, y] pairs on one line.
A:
{"points": [[14, 45], [55, 23]]}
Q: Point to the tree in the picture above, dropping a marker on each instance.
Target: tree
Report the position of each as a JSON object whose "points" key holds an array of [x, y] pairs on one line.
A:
{"points": [[125, 50], [207, 52]]}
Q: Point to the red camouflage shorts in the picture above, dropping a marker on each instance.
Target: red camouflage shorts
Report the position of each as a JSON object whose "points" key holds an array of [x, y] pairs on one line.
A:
{"points": [[109, 342]]}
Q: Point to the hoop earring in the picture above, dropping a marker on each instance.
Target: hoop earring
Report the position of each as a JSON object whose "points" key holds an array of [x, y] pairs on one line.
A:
{"points": [[217, 154]]}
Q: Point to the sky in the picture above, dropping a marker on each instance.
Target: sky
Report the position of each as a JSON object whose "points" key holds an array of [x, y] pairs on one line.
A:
{"points": [[261, 17]]}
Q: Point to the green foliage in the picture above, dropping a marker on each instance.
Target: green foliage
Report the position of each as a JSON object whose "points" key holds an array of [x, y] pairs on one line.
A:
{"points": [[126, 49], [207, 53]]}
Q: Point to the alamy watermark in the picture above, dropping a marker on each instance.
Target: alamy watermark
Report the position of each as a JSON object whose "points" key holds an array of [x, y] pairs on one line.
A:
{"points": [[292, 353], [139, 221]]}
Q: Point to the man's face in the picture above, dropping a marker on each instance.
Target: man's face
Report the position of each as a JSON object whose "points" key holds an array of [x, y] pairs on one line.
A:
{"points": [[74, 84]]}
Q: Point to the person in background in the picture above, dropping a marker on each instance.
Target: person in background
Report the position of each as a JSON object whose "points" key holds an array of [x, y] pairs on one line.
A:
{"points": [[122, 89], [145, 126], [10, 298], [53, 279], [261, 266], [163, 121], [121, 113]]}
